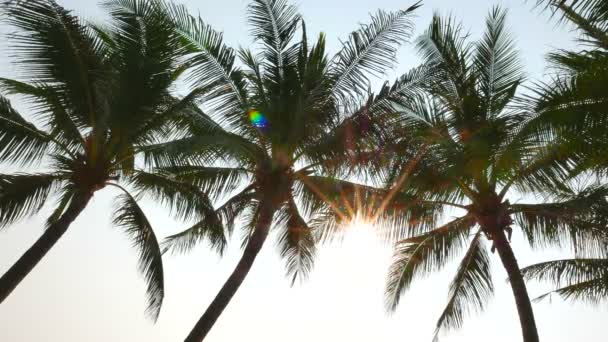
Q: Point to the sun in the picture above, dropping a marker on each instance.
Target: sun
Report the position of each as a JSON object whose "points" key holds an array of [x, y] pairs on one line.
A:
{"points": [[361, 231]]}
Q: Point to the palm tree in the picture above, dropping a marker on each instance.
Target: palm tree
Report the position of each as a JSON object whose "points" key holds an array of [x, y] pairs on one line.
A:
{"points": [[478, 149], [286, 123], [574, 104], [99, 95]]}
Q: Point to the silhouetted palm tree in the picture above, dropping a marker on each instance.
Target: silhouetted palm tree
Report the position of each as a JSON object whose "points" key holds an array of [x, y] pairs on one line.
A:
{"points": [[477, 150], [574, 103], [285, 125], [98, 96], [574, 107]]}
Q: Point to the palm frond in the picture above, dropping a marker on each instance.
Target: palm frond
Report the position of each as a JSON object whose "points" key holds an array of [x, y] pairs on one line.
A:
{"points": [[576, 279], [187, 201], [215, 182], [23, 195], [209, 229], [421, 255], [55, 48], [578, 220], [497, 63], [274, 23], [47, 105], [470, 289], [21, 141], [296, 241], [130, 217], [211, 63], [370, 50]]}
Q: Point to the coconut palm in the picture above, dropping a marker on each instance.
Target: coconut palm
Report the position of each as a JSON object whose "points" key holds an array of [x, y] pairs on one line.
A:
{"points": [[286, 122], [575, 107], [478, 150], [98, 95], [573, 103]]}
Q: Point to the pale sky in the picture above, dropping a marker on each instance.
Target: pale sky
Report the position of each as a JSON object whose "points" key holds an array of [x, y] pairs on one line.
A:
{"points": [[88, 287]]}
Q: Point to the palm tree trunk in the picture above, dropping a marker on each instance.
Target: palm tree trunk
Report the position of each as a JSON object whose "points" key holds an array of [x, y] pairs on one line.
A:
{"points": [[522, 300], [217, 306], [13, 277]]}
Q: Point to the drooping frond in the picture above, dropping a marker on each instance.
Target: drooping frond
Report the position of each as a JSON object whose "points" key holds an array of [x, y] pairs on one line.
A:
{"points": [[215, 182], [187, 201], [209, 229], [296, 241], [23, 195], [370, 50], [421, 255], [46, 105], [575, 279], [589, 16], [130, 217], [578, 220], [470, 289]]}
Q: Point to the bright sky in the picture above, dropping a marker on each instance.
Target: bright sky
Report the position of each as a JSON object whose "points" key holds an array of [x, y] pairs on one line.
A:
{"points": [[88, 288]]}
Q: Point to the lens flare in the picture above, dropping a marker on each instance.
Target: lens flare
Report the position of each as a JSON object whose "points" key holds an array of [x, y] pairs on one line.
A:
{"points": [[258, 119]]}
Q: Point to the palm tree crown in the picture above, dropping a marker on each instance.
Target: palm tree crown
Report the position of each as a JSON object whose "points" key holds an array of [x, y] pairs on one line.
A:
{"points": [[282, 125], [101, 95], [478, 147]]}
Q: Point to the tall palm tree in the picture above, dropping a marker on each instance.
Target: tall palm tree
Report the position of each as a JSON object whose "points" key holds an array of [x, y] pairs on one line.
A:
{"points": [[574, 106], [573, 103], [99, 95], [286, 122], [478, 150]]}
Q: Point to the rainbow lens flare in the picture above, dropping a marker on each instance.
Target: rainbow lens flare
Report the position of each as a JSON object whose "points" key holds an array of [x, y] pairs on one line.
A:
{"points": [[258, 119]]}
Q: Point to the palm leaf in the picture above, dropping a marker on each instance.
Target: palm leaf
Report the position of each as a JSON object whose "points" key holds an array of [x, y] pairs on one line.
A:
{"points": [[421, 255], [576, 279], [21, 141], [129, 216], [23, 195], [370, 50], [470, 289], [296, 241]]}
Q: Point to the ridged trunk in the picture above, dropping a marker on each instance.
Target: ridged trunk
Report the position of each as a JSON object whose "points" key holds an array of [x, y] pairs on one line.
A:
{"points": [[26, 263], [522, 299], [217, 306]]}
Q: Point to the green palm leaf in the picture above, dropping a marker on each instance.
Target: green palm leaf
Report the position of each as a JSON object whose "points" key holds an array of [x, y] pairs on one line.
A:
{"points": [[470, 289], [23, 195], [130, 217], [370, 50], [421, 255]]}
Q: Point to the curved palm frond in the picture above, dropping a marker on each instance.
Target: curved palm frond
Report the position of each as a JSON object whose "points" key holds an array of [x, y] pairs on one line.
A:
{"points": [[576, 279], [370, 50], [296, 241], [578, 220], [129, 216], [23, 195], [215, 182], [211, 64], [420, 255], [471, 287], [274, 23]]}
